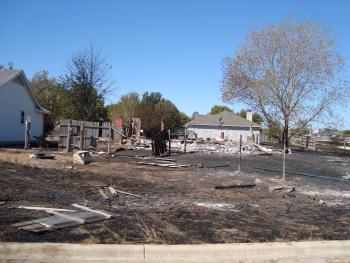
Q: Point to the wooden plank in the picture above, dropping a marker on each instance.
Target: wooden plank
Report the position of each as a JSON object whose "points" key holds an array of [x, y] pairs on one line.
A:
{"points": [[114, 191], [103, 194], [46, 220], [31, 227], [68, 217], [105, 214], [169, 165], [46, 208]]}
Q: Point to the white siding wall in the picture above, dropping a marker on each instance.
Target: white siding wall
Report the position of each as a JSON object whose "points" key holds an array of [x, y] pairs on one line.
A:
{"points": [[15, 98], [231, 133]]}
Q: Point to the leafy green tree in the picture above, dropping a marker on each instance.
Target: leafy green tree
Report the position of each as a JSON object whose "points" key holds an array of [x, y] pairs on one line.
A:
{"points": [[256, 117], [194, 114], [217, 109], [150, 120], [153, 109], [125, 108], [168, 113], [52, 96], [184, 118], [153, 97]]}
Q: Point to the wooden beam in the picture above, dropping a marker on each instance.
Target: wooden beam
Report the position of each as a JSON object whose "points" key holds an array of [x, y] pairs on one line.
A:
{"points": [[114, 191], [106, 215], [40, 208], [68, 217]]}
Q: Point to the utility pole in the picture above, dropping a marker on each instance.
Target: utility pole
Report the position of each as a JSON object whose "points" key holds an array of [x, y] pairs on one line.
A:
{"points": [[240, 153]]}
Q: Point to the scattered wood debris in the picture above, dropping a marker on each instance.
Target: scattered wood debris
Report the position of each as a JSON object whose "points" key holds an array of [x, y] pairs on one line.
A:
{"points": [[103, 194], [346, 177], [61, 218], [235, 186], [217, 166], [169, 165], [285, 189], [114, 191], [275, 188]]}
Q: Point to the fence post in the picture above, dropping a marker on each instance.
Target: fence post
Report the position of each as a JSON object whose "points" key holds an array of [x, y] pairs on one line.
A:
{"points": [[284, 161], [68, 138], [185, 136], [27, 134], [240, 153], [109, 138], [81, 141], [169, 142]]}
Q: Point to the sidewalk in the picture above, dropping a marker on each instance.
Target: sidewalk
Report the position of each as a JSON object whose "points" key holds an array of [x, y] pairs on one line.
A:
{"points": [[311, 252]]}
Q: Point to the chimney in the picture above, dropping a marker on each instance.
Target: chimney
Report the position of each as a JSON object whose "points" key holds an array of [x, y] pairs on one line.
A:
{"points": [[249, 116]]}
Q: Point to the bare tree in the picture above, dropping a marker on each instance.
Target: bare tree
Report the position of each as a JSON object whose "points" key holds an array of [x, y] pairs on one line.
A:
{"points": [[86, 81], [290, 73]]}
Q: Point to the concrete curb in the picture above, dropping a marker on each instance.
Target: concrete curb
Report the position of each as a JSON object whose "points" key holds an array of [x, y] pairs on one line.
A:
{"points": [[239, 252]]}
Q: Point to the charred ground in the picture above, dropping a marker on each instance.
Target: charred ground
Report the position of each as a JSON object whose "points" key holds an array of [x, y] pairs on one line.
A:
{"points": [[179, 205]]}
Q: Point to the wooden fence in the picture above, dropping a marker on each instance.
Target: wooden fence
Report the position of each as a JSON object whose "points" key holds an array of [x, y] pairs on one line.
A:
{"points": [[93, 132], [321, 146]]}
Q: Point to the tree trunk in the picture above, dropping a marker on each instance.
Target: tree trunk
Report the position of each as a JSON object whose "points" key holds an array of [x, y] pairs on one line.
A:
{"points": [[285, 136]]}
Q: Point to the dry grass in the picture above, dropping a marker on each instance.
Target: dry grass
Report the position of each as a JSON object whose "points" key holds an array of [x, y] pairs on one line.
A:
{"points": [[148, 233]]}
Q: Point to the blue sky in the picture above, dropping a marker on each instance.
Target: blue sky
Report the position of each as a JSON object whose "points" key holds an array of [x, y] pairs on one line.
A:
{"points": [[174, 47]]}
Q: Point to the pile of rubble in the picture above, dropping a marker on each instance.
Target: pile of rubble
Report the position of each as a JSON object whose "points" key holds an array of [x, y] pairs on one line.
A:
{"points": [[214, 146]]}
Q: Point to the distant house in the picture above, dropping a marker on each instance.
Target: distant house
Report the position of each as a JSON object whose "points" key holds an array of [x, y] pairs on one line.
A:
{"points": [[225, 125], [325, 134], [18, 103]]}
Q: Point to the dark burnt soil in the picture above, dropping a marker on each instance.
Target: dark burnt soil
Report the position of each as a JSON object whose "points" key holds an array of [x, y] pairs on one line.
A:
{"points": [[177, 206]]}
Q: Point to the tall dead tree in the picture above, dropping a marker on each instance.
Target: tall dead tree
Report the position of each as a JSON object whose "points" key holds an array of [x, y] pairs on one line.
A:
{"points": [[87, 84], [290, 73]]}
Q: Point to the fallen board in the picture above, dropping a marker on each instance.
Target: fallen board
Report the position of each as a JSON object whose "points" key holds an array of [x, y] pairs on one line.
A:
{"points": [[58, 222], [168, 165], [235, 186]]}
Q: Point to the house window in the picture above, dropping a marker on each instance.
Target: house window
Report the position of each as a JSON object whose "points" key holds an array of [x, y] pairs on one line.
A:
{"points": [[22, 117]]}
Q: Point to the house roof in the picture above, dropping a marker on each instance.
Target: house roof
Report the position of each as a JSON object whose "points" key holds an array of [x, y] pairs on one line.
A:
{"points": [[8, 75], [224, 118]]}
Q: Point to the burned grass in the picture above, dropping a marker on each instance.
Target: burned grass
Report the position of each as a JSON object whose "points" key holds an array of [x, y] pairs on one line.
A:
{"points": [[178, 206]]}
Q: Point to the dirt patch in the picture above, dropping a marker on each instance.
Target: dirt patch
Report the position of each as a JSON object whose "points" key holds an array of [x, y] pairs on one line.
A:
{"points": [[178, 206]]}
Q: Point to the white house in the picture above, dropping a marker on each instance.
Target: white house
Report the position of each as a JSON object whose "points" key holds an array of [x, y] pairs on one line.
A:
{"points": [[17, 104], [224, 125]]}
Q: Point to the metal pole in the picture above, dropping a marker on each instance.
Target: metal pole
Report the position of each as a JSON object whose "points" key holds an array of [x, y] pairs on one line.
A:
{"points": [[284, 161], [68, 138], [27, 135], [169, 142], [109, 138], [240, 153], [185, 136], [81, 142]]}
